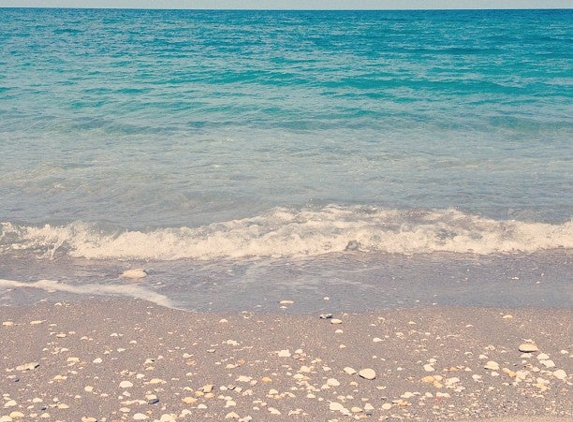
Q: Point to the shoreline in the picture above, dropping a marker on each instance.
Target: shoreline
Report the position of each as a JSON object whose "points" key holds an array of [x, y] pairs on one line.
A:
{"points": [[117, 359], [341, 283]]}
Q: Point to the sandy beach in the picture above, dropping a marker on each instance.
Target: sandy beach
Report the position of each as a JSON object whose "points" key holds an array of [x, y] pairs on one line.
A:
{"points": [[286, 215], [123, 360]]}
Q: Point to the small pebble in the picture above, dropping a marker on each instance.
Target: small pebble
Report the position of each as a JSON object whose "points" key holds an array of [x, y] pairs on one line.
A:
{"points": [[332, 382], [334, 406], [134, 274], [367, 373], [28, 366], [349, 370], [528, 348], [491, 365]]}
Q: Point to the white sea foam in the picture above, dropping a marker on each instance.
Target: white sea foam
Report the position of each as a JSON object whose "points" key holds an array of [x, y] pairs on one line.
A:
{"points": [[128, 290], [286, 232]]}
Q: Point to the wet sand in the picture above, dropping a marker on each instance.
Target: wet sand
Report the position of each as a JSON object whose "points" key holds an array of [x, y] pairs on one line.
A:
{"points": [[124, 360]]}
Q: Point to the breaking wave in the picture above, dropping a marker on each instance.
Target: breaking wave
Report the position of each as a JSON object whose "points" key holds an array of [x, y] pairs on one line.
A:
{"points": [[285, 233]]}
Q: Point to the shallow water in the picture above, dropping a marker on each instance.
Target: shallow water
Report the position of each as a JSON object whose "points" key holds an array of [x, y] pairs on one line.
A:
{"points": [[354, 282], [288, 153]]}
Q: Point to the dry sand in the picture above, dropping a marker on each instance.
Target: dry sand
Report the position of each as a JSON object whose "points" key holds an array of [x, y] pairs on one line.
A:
{"points": [[125, 360]]}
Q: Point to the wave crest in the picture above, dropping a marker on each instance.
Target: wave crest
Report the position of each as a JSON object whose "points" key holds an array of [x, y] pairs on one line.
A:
{"points": [[284, 233]]}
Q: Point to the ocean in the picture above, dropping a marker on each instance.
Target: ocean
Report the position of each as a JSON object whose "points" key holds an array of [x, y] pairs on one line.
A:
{"points": [[342, 160]]}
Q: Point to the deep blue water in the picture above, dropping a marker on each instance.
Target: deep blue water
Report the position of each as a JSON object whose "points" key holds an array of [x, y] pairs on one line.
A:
{"points": [[216, 136]]}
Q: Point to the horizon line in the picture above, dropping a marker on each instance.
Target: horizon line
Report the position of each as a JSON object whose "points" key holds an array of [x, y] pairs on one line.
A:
{"points": [[286, 9]]}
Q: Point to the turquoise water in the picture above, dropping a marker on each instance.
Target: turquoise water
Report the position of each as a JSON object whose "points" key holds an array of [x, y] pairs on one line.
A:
{"points": [[201, 138]]}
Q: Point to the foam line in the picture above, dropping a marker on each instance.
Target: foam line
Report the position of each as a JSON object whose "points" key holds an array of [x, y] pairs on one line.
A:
{"points": [[287, 233], [133, 291]]}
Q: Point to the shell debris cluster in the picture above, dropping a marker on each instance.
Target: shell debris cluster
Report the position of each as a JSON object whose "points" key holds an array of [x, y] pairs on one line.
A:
{"points": [[137, 362]]}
